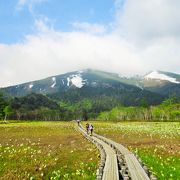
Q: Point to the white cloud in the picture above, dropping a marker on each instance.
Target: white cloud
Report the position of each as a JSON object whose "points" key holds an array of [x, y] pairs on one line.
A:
{"points": [[54, 52], [90, 28], [153, 27], [148, 20], [145, 37]]}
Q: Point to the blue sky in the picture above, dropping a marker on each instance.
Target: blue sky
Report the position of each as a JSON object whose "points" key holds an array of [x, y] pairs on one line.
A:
{"points": [[18, 20], [49, 37]]}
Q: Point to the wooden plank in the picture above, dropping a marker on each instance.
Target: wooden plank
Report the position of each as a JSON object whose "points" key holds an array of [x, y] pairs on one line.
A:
{"points": [[135, 169], [120, 147], [111, 166]]}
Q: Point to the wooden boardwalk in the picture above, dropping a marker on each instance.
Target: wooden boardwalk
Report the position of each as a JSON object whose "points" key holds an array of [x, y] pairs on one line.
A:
{"points": [[111, 165], [134, 167], [116, 168], [110, 171]]}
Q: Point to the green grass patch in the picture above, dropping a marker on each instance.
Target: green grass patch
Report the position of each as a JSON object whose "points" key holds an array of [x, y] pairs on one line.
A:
{"points": [[165, 167], [45, 150]]}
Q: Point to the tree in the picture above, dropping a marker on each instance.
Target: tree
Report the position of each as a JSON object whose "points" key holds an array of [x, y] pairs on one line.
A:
{"points": [[7, 111], [170, 101], [3, 104]]}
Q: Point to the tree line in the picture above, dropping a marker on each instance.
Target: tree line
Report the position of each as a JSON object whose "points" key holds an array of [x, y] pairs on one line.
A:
{"points": [[42, 107], [168, 110]]}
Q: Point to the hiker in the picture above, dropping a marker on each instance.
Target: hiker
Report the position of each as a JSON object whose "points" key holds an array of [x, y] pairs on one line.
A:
{"points": [[78, 121], [91, 129], [87, 128]]}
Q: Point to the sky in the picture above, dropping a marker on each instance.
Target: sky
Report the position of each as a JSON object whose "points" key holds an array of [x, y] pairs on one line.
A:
{"points": [[41, 38]]}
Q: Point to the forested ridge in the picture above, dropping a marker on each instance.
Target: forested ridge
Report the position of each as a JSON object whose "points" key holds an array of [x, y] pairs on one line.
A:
{"points": [[75, 106]]}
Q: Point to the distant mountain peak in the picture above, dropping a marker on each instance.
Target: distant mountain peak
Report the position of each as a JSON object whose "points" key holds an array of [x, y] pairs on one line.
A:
{"points": [[159, 75]]}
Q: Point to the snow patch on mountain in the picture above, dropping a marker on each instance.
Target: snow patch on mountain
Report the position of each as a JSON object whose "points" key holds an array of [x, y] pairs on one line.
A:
{"points": [[77, 81], [54, 82], [68, 81], [30, 86], [159, 76]]}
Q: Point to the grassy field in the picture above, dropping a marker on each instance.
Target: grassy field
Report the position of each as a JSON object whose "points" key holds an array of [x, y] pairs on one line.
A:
{"points": [[54, 150], [157, 144], [45, 150]]}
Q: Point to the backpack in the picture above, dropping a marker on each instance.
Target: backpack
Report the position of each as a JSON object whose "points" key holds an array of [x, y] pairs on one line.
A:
{"points": [[91, 127]]}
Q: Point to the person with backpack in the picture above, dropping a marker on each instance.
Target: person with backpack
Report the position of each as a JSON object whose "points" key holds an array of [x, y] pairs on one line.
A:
{"points": [[78, 121], [87, 128], [91, 129]]}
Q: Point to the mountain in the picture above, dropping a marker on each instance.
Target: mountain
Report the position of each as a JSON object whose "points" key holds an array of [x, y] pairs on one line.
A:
{"points": [[163, 77], [97, 86], [164, 83], [84, 94]]}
